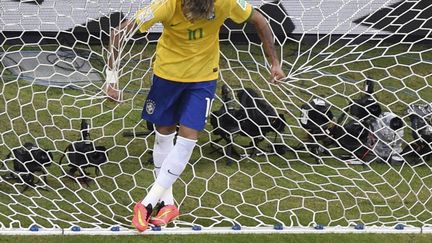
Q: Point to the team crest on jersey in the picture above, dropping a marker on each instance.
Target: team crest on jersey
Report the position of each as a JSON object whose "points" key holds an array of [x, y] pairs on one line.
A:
{"points": [[150, 106], [242, 4]]}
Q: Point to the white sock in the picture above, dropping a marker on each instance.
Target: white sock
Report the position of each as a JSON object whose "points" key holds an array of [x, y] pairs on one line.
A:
{"points": [[156, 191], [175, 162], [162, 146]]}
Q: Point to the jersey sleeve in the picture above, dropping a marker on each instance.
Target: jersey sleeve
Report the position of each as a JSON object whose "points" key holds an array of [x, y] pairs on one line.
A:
{"points": [[157, 11], [240, 11]]}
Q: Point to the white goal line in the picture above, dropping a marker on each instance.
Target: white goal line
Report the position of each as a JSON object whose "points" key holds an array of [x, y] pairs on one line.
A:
{"points": [[398, 229]]}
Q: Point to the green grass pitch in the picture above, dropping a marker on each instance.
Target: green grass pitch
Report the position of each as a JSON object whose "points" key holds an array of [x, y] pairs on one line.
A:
{"points": [[289, 189]]}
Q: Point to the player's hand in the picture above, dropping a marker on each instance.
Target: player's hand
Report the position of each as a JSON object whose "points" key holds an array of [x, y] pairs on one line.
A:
{"points": [[112, 91], [111, 87], [277, 75]]}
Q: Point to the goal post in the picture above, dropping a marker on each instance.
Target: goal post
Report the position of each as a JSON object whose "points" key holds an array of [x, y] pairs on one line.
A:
{"points": [[342, 145]]}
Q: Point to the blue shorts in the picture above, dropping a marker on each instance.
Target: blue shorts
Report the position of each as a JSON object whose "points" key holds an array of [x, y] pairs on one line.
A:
{"points": [[169, 103]]}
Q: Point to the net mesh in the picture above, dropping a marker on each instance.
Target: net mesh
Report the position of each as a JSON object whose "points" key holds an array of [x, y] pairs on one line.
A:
{"points": [[345, 140]]}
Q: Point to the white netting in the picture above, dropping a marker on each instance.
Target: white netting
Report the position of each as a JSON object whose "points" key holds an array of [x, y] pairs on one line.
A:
{"points": [[322, 148]]}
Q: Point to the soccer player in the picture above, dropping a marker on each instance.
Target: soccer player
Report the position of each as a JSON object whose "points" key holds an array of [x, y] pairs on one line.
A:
{"points": [[184, 82]]}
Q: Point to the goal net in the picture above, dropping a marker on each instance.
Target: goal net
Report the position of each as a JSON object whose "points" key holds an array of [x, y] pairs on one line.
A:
{"points": [[344, 141]]}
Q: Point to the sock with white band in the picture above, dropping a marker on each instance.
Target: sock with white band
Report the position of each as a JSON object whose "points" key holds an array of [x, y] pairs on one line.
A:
{"points": [[172, 167], [156, 191], [162, 146], [175, 162]]}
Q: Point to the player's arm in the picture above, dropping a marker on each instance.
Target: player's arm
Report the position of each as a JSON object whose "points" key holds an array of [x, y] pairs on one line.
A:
{"points": [[157, 11], [118, 38], [266, 36]]}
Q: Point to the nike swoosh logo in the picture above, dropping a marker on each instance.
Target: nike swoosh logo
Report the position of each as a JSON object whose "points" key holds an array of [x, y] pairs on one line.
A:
{"points": [[172, 173], [140, 221]]}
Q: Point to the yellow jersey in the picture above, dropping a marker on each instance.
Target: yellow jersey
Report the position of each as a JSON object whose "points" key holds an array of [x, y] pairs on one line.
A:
{"points": [[189, 52]]}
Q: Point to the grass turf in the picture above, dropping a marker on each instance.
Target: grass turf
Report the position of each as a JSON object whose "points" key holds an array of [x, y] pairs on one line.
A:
{"points": [[291, 189]]}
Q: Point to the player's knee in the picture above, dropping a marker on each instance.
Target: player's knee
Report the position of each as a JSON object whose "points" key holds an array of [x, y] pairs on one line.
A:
{"points": [[166, 130], [188, 133]]}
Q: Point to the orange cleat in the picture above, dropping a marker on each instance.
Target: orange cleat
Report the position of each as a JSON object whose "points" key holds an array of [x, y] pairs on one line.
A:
{"points": [[165, 215], [141, 216]]}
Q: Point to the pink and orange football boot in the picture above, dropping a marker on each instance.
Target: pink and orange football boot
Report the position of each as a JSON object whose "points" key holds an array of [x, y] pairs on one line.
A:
{"points": [[141, 216], [165, 215]]}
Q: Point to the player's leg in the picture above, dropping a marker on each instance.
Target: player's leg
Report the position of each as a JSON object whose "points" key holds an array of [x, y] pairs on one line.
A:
{"points": [[172, 168], [196, 107], [163, 144], [196, 104], [160, 109]]}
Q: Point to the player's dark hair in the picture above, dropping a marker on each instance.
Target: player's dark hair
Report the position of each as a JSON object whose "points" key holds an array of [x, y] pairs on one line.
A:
{"points": [[198, 9]]}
